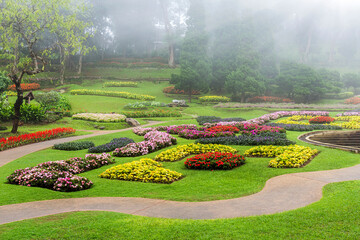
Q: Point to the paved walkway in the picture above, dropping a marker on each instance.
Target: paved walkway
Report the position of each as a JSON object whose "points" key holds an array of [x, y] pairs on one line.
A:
{"points": [[282, 193]]}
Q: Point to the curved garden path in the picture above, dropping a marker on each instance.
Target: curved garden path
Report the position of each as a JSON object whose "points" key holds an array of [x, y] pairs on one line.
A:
{"points": [[281, 193]]}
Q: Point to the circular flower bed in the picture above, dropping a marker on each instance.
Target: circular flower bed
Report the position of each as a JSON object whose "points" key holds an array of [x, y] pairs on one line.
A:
{"points": [[321, 120], [215, 161]]}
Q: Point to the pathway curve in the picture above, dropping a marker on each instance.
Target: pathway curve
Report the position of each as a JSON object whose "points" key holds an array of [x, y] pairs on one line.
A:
{"points": [[281, 193]]}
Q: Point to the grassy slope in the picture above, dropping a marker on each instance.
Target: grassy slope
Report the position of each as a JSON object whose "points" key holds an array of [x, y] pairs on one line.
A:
{"points": [[334, 217]]}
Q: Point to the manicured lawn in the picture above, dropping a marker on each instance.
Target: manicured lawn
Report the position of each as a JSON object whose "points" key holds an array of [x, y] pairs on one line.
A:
{"points": [[333, 217]]}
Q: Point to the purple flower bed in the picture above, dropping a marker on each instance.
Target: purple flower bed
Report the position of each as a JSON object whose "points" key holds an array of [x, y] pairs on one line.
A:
{"points": [[111, 146], [346, 114], [195, 134], [58, 175], [154, 141]]}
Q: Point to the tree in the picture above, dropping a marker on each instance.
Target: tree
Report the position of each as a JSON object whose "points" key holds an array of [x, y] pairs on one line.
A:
{"points": [[195, 70], [351, 80], [23, 27], [4, 82]]}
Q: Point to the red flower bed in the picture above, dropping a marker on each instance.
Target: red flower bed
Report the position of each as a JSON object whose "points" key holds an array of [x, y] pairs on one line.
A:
{"points": [[223, 129], [11, 142], [321, 120], [215, 161], [353, 100], [25, 87], [172, 90], [262, 99]]}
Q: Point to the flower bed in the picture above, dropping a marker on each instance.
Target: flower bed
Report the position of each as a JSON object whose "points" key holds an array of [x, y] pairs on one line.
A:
{"points": [[144, 105], [154, 141], [223, 129], [120, 84], [304, 127], [345, 114], [215, 161], [293, 156], [182, 151], [15, 141], [314, 107], [262, 99], [142, 131], [353, 100], [176, 129], [74, 146], [173, 90], [351, 122], [321, 120], [212, 119], [58, 175], [145, 170], [195, 134], [214, 99], [255, 129], [112, 94], [249, 140], [111, 146], [152, 113], [25, 86], [100, 117]]}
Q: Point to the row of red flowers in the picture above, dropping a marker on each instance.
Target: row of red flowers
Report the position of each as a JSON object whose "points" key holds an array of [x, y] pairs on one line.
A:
{"points": [[353, 100], [223, 129], [15, 141], [261, 99], [25, 87], [215, 161], [321, 120]]}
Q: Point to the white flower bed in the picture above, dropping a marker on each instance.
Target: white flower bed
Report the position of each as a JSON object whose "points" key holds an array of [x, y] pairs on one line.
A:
{"points": [[100, 117]]}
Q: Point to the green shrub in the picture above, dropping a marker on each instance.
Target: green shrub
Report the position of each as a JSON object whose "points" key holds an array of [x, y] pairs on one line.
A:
{"points": [[2, 128], [152, 113], [74, 146], [345, 95], [120, 84], [53, 101], [32, 113], [112, 94]]}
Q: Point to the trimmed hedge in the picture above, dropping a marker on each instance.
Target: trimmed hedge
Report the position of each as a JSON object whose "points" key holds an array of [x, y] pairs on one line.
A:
{"points": [[300, 127], [112, 94], [120, 84], [74, 146], [111, 146], [249, 140]]}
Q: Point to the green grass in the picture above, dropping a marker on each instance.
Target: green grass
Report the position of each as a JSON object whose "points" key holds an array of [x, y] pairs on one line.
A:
{"points": [[131, 73], [333, 217]]}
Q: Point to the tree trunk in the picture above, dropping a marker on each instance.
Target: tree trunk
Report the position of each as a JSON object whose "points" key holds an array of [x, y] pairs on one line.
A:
{"points": [[171, 55], [171, 61], [18, 103], [243, 95], [80, 63]]}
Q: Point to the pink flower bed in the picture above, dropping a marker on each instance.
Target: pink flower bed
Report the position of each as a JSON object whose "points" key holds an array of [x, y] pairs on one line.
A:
{"points": [[154, 141], [195, 134]]}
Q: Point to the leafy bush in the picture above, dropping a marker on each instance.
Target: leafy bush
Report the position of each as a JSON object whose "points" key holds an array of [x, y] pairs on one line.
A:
{"points": [[301, 127], [112, 94], [145, 170], [53, 101], [345, 95], [111, 146], [215, 161], [248, 140], [214, 99], [152, 113], [321, 120], [74, 146], [212, 119], [182, 151], [120, 84], [100, 117], [2, 128], [4, 82], [173, 90], [293, 156], [32, 113]]}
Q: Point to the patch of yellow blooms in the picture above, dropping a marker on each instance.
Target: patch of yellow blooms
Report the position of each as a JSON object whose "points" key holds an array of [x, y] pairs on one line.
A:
{"points": [[293, 156], [182, 151], [350, 122], [145, 170]]}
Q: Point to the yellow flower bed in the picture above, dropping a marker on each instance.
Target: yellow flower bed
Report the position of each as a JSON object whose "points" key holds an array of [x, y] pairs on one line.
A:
{"points": [[350, 122], [300, 117], [112, 94], [10, 93], [287, 121], [214, 99], [145, 170], [293, 156], [120, 84], [182, 151]]}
